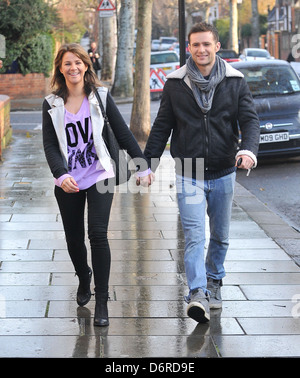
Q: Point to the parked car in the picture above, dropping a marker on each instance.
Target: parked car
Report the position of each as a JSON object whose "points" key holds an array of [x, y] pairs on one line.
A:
{"points": [[275, 88], [296, 67], [176, 47], [255, 54], [228, 55], [155, 44], [167, 60], [166, 42]]}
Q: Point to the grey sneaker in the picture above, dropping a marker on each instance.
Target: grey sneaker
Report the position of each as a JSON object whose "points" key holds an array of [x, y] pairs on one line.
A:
{"points": [[198, 307], [214, 287]]}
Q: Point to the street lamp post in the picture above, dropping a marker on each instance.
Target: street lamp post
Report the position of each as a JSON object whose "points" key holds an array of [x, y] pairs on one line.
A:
{"points": [[181, 11]]}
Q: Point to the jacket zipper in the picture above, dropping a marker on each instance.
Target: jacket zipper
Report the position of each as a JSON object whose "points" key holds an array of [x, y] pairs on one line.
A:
{"points": [[206, 160], [206, 142]]}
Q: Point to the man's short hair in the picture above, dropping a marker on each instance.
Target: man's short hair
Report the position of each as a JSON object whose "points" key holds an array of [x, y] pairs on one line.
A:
{"points": [[204, 27]]}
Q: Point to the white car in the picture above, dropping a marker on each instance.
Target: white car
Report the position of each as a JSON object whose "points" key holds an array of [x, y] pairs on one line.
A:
{"points": [[166, 42], [155, 44], [255, 54], [166, 60]]}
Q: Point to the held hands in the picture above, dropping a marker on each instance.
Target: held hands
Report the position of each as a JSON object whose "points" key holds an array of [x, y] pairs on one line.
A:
{"points": [[69, 185], [145, 181]]}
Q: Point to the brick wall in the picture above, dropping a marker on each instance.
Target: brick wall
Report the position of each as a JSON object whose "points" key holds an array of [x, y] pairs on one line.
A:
{"points": [[5, 127], [32, 85]]}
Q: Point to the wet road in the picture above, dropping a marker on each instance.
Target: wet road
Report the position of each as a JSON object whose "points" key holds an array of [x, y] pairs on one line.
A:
{"points": [[30, 120], [277, 184]]}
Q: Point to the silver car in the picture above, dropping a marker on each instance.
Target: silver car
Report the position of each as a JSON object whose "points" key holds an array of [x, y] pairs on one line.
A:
{"points": [[255, 54]]}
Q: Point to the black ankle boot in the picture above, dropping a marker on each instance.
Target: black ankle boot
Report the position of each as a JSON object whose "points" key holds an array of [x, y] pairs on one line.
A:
{"points": [[84, 291], [101, 311]]}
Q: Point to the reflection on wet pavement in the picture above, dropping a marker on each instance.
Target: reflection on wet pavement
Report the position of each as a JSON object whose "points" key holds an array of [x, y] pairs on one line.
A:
{"points": [[39, 316]]}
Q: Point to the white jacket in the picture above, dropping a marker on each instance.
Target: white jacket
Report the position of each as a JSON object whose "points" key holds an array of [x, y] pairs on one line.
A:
{"points": [[57, 113]]}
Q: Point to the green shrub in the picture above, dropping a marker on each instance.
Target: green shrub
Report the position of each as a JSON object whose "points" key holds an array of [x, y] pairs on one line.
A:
{"points": [[37, 55], [25, 24]]}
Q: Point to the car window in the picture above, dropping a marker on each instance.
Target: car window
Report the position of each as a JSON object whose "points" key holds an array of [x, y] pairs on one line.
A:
{"points": [[168, 40], [258, 53], [227, 54], [267, 80], [163, 58]]}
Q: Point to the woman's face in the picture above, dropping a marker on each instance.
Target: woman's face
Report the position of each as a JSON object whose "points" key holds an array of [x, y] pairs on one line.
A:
{"points": [[73, 69]]}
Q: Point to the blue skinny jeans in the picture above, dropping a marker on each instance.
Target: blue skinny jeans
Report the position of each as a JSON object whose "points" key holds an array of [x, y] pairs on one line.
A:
{"points": [[194, 197]]}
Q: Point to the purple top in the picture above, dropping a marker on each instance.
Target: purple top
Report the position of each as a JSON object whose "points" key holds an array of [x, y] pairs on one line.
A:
{"points": [[83, 163]]}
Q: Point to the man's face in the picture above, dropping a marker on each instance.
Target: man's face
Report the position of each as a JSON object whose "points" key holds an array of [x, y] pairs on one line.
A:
{"points": [[203, 48]]}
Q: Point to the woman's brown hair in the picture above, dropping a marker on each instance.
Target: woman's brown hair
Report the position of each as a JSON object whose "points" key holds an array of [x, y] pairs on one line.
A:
{"points": [[58, 81]]}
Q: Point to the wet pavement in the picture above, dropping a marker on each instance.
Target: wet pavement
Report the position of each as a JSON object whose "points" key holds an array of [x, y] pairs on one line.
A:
{"points": [[39, 316]]}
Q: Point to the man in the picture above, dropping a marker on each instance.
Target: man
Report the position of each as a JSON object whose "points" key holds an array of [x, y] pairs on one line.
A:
{"points": [[95, 58], [204, 103]]}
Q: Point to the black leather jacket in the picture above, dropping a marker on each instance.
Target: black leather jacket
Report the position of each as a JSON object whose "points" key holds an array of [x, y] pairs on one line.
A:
{"points": [[213, 136]]}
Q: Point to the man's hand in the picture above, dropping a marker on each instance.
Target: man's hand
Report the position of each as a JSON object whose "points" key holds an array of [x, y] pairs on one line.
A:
{"points": [[246, 162], [145, 181]]}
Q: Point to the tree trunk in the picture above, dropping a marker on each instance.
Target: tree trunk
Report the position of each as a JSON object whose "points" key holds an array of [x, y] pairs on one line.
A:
{"points": [[108, 30], [123, 85], [140, 116], [234, 42]]}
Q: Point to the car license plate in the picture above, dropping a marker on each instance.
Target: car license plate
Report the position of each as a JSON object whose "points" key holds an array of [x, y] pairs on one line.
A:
{"points": [[274, 137], [167, 68]]}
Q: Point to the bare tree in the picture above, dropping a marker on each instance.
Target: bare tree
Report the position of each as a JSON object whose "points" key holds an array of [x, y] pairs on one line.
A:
{"points": [[165, 14], [123, 84], [140, 116]]}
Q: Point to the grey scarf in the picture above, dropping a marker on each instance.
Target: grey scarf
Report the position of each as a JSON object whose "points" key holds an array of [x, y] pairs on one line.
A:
{"points": [[203, 89]]}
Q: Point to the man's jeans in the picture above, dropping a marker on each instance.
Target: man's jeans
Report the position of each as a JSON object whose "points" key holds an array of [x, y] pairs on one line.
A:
{"points": [[193, 195]]}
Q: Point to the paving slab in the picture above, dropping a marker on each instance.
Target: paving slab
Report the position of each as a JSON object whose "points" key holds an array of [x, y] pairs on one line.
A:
{"points": [[39, 316]]}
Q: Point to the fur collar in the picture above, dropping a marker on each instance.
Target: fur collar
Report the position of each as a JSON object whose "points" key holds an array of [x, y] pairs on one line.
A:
{"points": [[181, 72]]}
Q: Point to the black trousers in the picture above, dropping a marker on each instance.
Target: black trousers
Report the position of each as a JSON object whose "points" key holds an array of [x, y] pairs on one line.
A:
{"points": [[72, 209]]}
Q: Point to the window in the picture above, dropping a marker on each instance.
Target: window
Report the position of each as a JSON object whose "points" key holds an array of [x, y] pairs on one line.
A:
{"points": [[267, 80]]}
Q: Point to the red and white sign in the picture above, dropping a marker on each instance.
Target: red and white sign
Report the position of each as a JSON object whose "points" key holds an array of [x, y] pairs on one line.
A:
{"points": [[156, 81], [161, 73], [106, 8]]}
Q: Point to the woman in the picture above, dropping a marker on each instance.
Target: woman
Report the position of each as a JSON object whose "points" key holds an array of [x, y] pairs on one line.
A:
{"points": [[78, 159]]}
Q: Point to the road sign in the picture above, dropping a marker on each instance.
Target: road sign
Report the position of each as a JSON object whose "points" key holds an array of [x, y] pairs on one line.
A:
{"points": [[156, 83], [161, 73], [106, 8]]}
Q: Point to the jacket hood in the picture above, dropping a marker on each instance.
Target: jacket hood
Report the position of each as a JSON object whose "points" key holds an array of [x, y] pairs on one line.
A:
{"points": [[55, 101], [181, 72]]}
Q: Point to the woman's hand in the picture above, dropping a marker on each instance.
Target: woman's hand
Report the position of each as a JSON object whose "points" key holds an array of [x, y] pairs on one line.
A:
{"points": [[69, 185], [145, 181]]}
